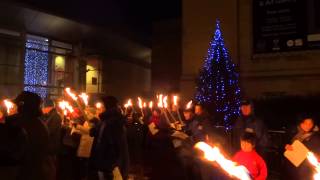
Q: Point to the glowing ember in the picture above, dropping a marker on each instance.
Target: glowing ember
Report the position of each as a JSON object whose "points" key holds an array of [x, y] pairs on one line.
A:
{"points": [[84, 98], [213, 154], [165, 102], [9, 105], [150, 104], [314, 161], [72, 95], [98, 105], [140, 103], [189, 105], [129, 104], [175, 100]]}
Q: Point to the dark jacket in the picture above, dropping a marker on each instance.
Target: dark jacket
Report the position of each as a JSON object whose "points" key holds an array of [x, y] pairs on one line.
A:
{"points": [[13, 141], [305, 170], [202, 127], [53, 122], [110, 147], [35, 165], [250, 124]]}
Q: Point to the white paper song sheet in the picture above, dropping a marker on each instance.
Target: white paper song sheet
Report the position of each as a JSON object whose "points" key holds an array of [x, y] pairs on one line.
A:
{"points": [[298, 154], [153, 129]]}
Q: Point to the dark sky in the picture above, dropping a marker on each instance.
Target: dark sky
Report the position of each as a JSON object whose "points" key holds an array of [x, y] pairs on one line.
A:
{"points": [[137, 15]]}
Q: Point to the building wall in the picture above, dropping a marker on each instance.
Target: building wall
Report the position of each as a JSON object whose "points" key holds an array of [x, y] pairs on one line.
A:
{"points": [[125, 79], [166, 55], [277, 73]]}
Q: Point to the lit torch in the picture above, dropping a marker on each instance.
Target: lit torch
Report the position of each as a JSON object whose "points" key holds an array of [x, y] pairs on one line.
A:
{"points": [[85, 98], [213, 154], [98, 105], [165, 102], [9, 105], [189, 105], [140, 103], [150, 104], [160, 100], [128, 104], [314, 161], [175, 100], [72, 95]]}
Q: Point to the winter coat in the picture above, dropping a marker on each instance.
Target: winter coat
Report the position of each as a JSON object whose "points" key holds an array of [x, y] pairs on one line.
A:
{"points": [[250, 124], [201, 127], [53, 122], [110, 147], [254, 164], [36, 163], [312, 142]]}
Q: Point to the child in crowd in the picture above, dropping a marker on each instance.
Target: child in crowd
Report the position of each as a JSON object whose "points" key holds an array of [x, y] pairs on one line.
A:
{"points": [[250, 159]]}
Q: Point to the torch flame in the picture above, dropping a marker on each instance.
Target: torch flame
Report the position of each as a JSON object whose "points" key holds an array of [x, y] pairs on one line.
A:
{"points": [[140, 103], [150, 104], [165, 102], [213, 154], [65, 106], [72, 95], [128, 104], [98, 105], [9, 105], [160, 100], [188, 106], [84, 98], [175, 100], [314, 161]]}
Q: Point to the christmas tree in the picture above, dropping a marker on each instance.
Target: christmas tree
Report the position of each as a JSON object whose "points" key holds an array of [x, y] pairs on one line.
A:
{"points": [[217, 84]]}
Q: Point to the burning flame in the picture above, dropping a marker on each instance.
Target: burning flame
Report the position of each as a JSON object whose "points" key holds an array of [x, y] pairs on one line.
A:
{"points": [[9, 105], [98, 105], [175, 100], [140, 103], [314, 161], [84, 98], [160, 100], [165, 102], [129, 104], [213, 154], [150, 104], [144, 104], [72, 95], [65, 106], [189, 105]]}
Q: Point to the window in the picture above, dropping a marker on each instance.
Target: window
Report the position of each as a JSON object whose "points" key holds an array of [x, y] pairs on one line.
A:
{"points": [[46, 67], [36, 65]]}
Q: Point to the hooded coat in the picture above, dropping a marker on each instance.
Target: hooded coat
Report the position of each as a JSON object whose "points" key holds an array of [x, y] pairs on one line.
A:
{"points": [[110, 147]]}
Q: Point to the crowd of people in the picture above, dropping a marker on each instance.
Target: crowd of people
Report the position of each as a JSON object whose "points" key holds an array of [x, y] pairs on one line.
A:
{"points": [[38, 142]]}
